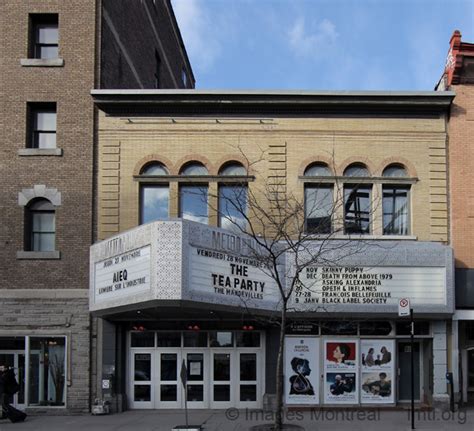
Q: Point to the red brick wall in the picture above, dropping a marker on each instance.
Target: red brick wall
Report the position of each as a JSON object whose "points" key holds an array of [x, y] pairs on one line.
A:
{"points": [[461, 166]]}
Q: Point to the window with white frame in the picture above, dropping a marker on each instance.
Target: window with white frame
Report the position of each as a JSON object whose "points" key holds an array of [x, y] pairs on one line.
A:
{"points": [[42, 125]]}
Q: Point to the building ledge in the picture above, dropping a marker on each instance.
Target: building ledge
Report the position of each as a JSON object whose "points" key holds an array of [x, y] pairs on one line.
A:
{"points": [[44, 293], [38, 255], [42, 62], [366, 237], [40, 152]]}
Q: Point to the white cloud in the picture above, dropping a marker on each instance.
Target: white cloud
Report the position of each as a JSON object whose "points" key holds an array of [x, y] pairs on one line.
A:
{"points": [[193, 217], [232, 223], [311, 44], [198, 31], [156, 196]]}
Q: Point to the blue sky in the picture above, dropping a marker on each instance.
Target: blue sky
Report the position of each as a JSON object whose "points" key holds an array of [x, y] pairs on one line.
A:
{"points": [[321, 44]]}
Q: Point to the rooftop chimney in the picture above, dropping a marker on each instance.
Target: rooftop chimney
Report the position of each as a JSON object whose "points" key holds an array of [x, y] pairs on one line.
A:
{"points": [[454, 47]]}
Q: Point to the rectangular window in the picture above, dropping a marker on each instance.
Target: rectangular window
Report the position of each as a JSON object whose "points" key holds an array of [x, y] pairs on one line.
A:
{"points": [[47, 371], [43, 231], [221, 339], [44, 38], [42, 125], [169, 339], [357, 209], [154, 203], [193, 203], [233, 207], [421, 328], [395, 210], [142, 339], [318, 203], [195, 339], [40, 367], [248, 339], [339, 328]]}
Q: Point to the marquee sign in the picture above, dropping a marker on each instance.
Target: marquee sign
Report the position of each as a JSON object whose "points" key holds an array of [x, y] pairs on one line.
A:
{"points": [[122, 275], [229, 276], [321, 286], [180, 260]]}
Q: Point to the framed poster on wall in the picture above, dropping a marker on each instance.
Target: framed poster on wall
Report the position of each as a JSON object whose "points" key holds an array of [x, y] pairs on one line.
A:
{"points": [[341, 367], [301, 377], [377, 371]]}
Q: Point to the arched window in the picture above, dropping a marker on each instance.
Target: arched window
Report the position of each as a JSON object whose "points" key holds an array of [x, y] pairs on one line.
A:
{"points": [[40, 224], [395, 202], [154, 168], [233, 169], [357, 201], [194, 168], [318, 200], [193, 197], [154, 197], [356, 170], [232, 198], [395, 170], [317, 170]]}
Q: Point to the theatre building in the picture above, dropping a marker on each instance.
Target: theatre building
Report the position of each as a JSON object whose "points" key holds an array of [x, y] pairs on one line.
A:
{"points": [[171, 280]]}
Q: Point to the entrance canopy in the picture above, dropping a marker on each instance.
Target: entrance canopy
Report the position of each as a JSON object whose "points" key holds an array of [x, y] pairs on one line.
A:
{"points": [[184, 263]]}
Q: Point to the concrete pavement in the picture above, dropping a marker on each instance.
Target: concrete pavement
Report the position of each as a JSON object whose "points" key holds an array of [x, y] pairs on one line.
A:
{"points": [[240, 420]]}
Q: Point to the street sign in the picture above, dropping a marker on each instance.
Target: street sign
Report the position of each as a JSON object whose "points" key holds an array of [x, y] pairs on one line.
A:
{"points": [[403, 307]]}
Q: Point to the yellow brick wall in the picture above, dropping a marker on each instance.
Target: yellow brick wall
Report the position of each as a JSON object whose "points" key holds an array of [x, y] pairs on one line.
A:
{"points": [[288, 145]]}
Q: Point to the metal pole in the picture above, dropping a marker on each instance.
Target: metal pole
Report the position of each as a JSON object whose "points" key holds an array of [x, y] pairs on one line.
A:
{"points": [[186, 403], [412, 342], [184, 380]]}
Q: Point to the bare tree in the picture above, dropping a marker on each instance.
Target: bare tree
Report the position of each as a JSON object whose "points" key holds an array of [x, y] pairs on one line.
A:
{"points": [[288, 233]]}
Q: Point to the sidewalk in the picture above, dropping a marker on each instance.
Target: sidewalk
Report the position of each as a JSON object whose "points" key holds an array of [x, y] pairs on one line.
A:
{"points": [[236, 420]]}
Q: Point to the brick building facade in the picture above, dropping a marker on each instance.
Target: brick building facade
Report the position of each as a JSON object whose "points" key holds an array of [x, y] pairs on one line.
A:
{"points": [[53, 54], [459, 77], [154, 147]]}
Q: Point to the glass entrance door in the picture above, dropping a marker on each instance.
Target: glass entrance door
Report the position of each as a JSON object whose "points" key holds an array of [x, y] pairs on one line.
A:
{"points": [[404, 371], [142, 380], [16, 360], [198, 380], [222, 379], [249, 379], [224, 369], [169, 388]]}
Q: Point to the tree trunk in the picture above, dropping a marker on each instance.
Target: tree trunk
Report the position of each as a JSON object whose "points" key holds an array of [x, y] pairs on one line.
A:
{"points": [[279, 372]]}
